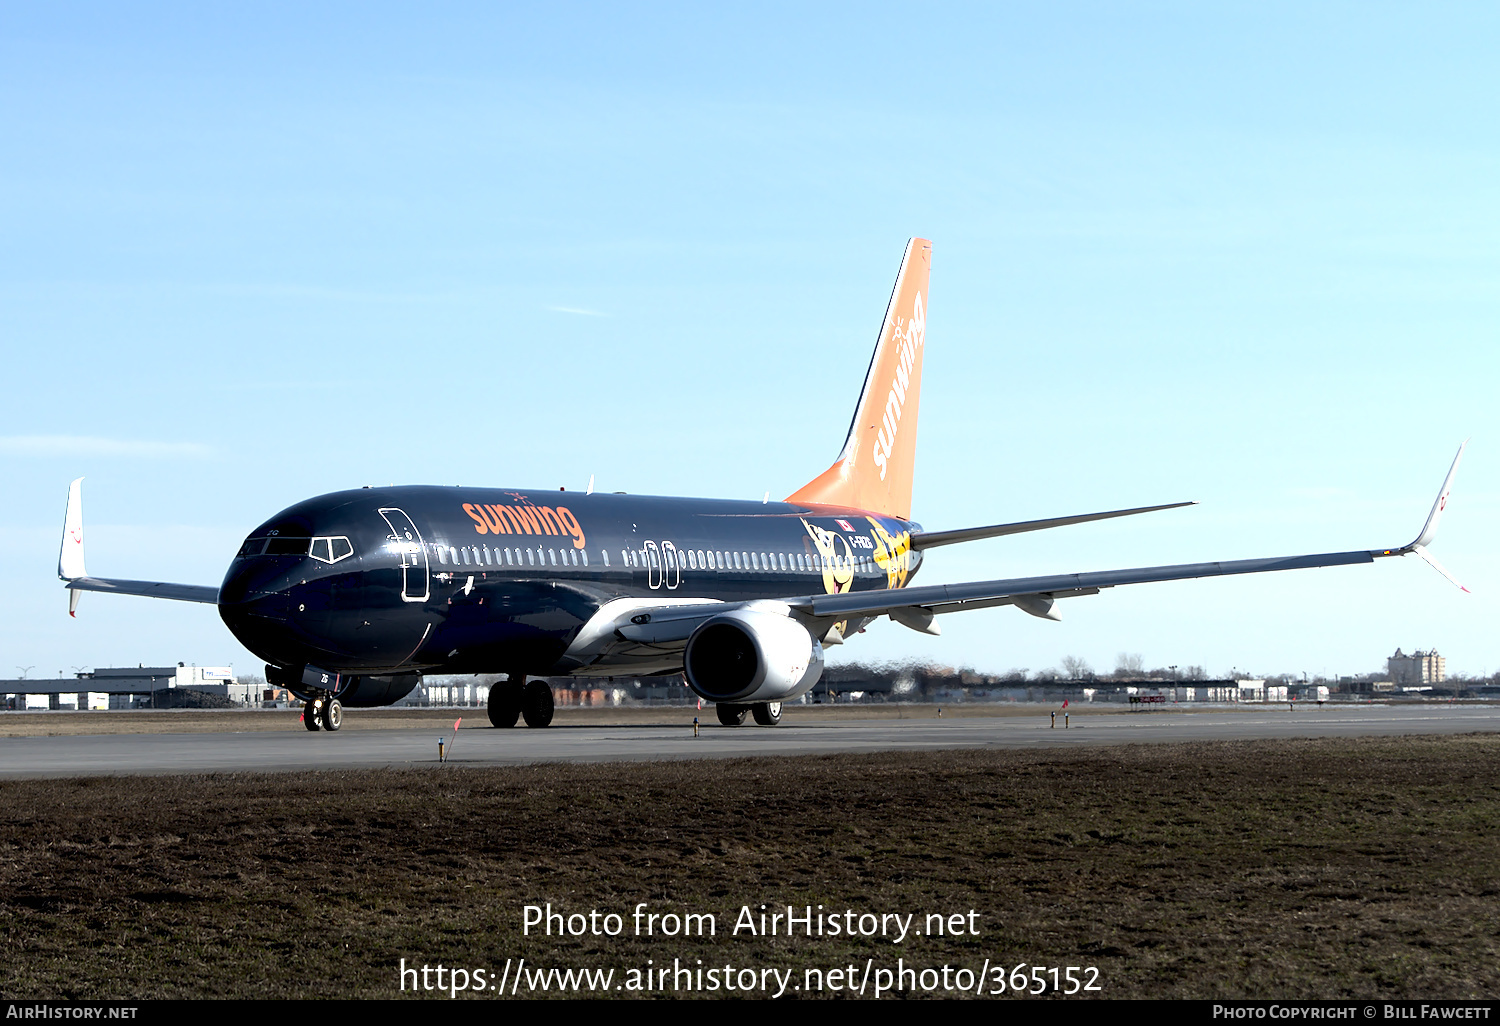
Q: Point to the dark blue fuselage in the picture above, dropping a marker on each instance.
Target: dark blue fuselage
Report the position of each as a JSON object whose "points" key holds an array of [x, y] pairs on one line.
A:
{"points": [[462, 580]]}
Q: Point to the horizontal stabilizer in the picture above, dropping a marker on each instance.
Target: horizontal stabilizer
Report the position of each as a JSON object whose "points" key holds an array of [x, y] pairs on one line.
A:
{"points": [[932, 539]]}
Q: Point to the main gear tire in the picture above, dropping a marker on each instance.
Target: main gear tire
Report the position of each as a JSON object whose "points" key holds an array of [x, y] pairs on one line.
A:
{"points": [[536, 704], [767, 714], [505, 702], [730, 715]]}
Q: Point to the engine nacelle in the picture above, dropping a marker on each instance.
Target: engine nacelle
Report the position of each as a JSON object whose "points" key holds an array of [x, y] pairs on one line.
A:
{"points": [[752, 655]]}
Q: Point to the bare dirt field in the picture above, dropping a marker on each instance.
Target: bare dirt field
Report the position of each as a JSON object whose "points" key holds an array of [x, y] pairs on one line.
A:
{"points": [[1321, 869]]}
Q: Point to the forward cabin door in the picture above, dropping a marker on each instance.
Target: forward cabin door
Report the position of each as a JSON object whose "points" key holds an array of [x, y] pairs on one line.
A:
{"points": [[406, 542]]}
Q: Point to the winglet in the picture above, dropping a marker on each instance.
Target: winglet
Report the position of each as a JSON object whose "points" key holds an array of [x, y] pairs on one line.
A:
{"points": [[1429, 529], [70, 556], [1421, 550]]}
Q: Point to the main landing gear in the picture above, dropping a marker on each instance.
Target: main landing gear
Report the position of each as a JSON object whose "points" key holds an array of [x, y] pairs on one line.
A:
{"points": [[323, 714], [517, 698], [767, 714]]}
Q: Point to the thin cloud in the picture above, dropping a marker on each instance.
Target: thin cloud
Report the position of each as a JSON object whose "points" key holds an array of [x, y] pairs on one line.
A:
{"points": [[576, 310], [85, 445]]}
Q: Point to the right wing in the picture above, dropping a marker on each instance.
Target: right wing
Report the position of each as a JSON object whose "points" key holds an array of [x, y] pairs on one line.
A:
{"points": [[71, 569]]}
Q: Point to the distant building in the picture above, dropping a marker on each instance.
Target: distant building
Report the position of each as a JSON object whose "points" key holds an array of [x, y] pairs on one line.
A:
{"points": [[1418, 668], [119, 687]]}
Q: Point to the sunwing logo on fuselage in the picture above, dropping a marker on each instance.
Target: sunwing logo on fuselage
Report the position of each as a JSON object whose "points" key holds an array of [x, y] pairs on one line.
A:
{"points": [[892, 553], [525, 517], [910, 336]]}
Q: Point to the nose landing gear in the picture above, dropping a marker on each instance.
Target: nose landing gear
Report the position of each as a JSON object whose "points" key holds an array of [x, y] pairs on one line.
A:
{"points": [[323, 714]]}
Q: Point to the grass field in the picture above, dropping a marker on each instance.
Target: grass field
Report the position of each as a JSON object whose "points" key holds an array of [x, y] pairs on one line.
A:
{"points": [[1366, 868]]}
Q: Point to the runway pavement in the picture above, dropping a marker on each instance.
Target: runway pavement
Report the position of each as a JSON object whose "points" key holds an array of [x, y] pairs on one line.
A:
{"points": [[299, 750]]}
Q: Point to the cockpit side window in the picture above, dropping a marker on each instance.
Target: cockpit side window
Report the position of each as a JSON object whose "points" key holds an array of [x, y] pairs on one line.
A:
{"points": [[330, 550]]}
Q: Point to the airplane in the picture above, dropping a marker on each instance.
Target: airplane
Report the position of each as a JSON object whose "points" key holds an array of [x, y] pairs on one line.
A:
{"points": [[351, 597]]}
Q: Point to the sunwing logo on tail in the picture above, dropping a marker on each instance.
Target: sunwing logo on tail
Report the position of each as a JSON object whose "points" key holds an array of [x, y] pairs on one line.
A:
{"points": [[911, 334]]}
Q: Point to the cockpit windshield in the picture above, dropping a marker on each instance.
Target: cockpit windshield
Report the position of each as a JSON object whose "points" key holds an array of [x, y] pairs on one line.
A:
{"points": [[331, 550], [325, 550]]}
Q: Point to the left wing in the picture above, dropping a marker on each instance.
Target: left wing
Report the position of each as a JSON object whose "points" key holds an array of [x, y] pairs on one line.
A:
{"points": [[915, 607]]}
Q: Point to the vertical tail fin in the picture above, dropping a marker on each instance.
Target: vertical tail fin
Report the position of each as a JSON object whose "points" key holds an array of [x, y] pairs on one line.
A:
{"points": [[874, 470]]}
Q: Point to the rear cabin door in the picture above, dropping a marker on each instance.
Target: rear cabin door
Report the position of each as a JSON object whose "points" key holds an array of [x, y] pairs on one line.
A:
{"points": [[653, 565], [671, 564]]}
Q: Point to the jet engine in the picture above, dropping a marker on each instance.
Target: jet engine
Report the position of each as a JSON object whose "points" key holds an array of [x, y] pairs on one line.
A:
{"points": [[752, 655]]}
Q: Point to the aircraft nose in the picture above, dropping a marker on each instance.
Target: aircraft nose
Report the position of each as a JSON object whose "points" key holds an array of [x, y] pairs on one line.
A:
{"points": [[256, 588]]}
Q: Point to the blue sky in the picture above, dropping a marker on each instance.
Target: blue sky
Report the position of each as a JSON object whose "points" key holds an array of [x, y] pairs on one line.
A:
{"points": [[1244, 255]]}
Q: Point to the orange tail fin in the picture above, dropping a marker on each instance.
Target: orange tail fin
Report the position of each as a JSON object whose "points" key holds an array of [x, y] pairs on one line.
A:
{"points": [[874, 470]]}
